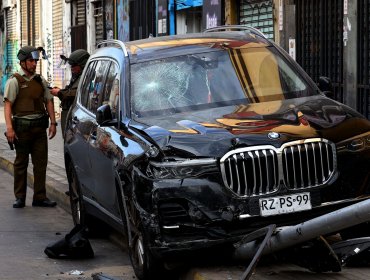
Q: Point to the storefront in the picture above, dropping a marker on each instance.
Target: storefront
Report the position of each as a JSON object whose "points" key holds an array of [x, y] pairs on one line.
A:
{"points": [[188, 16]]}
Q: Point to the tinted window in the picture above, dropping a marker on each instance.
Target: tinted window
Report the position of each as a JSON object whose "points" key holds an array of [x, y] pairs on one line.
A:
{"points": [[94, 84], [111, 90], [90, 72]]}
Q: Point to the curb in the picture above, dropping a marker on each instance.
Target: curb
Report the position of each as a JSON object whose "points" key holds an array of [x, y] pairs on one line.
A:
{"points": [[54, 189], [57, 191]]}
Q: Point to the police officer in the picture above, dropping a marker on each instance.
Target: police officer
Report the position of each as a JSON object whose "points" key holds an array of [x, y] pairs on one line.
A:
{"points": [[28, 105], [77, 61]]}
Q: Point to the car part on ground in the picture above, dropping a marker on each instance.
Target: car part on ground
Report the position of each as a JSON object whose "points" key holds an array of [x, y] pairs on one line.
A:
{"points": [[266, 233], [353, 252], [329, 223], [75, 245]]}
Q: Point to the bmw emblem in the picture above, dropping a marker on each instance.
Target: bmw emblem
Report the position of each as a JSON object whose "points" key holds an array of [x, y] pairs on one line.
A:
{"points": [[273, 135]]}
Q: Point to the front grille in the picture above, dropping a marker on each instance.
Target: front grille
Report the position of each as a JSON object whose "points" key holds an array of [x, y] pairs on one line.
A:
{"points": [[260, 170], [251, 171], [308, 165]]}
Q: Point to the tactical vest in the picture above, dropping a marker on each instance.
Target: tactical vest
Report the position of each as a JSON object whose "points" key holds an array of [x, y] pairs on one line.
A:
{"points": [[30, 98]]}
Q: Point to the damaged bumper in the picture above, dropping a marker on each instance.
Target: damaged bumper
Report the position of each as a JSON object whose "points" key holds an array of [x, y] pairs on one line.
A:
{"points": [[189, 214]]}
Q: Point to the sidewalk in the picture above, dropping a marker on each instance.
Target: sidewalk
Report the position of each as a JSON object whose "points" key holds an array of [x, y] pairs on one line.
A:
{"points": [[56, 178]]}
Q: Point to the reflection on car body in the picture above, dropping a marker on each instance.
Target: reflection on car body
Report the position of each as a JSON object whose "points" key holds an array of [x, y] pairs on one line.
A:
{"points": [[213, 135]]}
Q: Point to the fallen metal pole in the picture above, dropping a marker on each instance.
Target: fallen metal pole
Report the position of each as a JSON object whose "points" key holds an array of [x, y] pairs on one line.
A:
{"points": [[267, 233], [288, 236]]}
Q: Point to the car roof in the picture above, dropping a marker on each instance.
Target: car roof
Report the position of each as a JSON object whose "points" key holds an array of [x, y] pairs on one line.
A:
{"points": [[191, 43], [167, 46]]}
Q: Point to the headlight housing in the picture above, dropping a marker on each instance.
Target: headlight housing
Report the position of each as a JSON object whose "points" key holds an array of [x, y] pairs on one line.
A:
{"points": [[181, 168]]}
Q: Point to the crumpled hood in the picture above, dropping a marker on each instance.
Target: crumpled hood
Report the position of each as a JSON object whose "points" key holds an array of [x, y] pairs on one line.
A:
{"points": [[213, 132]]}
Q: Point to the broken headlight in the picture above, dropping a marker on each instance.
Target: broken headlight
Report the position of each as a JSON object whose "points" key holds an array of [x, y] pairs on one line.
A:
{"points": [[181, 168], [355, 144]]}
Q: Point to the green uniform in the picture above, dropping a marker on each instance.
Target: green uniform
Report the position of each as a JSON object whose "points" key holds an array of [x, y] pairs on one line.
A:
{"points": [[28, 97], [67, 97]]}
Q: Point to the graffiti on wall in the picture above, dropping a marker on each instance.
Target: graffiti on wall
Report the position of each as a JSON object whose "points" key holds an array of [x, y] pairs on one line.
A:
{"points": [[10, 61], [58, 72], [123, 20], [2, 61], [109, 19], [49, 51]]}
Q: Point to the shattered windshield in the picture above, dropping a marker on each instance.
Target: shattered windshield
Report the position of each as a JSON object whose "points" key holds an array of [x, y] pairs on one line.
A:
{"points": [[213, 79]]}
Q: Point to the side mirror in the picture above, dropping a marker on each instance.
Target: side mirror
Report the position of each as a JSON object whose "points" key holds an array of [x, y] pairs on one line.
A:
{"points": [[326, 86], [104, 114]]}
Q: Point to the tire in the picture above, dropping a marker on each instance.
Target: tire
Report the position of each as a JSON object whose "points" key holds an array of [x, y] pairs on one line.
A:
{"points": [[75, 198], [145, 265], [78, 210]]}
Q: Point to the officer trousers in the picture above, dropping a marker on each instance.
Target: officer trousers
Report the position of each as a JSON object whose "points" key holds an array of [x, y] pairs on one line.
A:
{"points": [[32, 142], [63, 120]]}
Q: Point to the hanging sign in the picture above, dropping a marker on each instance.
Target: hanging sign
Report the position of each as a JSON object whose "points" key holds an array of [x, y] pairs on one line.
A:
{"points": [[212, 13]]}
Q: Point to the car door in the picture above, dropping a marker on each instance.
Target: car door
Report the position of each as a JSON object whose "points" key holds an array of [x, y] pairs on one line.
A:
{"points": [[80, 126], [103, 151]]}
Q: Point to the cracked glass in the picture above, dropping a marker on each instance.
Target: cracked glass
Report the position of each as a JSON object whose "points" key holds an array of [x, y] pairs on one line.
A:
{"points": [[252, 74]]}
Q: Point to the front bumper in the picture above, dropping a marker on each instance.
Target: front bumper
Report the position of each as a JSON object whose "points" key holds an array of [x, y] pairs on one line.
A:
{"points": [[187, 215]]}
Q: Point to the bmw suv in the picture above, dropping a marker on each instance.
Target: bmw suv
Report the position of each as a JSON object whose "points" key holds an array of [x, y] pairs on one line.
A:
{"points": [[186, 143]]}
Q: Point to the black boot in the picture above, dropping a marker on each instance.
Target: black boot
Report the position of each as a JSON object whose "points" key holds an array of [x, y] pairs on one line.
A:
{"points": [[19, 203]]}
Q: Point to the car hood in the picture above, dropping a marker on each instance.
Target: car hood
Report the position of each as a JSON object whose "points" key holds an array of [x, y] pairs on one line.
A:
{"points": [[213, 132]]}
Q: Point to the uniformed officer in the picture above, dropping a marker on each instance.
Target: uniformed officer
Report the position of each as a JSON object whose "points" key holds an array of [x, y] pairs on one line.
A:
{"points": [[77, 61], [28, 105]]}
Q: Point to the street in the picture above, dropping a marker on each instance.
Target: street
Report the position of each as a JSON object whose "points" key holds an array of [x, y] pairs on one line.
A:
{"points": [[24, 234]]}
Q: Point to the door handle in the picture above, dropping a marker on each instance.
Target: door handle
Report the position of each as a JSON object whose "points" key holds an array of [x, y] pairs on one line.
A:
{"points": [[75, 120], [93, 135]]}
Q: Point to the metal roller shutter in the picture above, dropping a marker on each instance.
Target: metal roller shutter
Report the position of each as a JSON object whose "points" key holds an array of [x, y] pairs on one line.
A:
{"points": [[30, 24], [12, 43], [363, 100], [258, 14], [58, 73], [26, 31], [37, 23], [320, 40]]}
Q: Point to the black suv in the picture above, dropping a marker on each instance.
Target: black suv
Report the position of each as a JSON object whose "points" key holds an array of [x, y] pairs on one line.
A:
{"points": [[190, 142]]}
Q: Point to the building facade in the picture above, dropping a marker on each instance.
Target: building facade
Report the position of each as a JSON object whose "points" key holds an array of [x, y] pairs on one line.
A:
{"points": [[323, 36]]}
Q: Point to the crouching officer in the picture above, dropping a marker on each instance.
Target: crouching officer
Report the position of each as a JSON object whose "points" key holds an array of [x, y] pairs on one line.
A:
{"points": [[77, 61], [28, 105]]}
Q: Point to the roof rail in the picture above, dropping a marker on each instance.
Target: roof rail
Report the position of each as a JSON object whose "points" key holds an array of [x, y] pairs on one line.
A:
{"points": [[112, 42], [235, 28]]}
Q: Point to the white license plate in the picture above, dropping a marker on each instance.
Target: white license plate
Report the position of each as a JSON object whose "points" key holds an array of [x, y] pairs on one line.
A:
{"points": [[285, 204]]}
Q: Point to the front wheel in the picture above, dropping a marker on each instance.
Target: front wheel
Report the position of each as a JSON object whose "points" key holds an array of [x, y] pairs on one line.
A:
{"points": [[75, 198], [145, 265]]}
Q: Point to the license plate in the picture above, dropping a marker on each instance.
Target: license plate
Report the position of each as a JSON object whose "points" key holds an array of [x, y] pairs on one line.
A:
{"points": [[285, 204]]}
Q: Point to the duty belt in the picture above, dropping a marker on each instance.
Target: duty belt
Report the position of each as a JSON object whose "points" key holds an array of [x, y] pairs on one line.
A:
{"points": [[21, 124]]}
